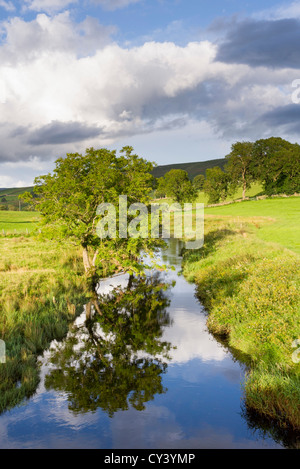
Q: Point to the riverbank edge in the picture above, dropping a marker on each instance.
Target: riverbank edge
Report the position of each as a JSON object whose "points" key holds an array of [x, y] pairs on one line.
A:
{"points": [[42, 291], [237, 277]]}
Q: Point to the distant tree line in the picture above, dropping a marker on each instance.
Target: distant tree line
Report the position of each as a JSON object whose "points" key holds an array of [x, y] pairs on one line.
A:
{"points": [[12, 203], [274, 162]]}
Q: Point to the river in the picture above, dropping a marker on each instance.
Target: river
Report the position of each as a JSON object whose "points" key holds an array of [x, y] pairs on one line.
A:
{"points": [[147, 375]]}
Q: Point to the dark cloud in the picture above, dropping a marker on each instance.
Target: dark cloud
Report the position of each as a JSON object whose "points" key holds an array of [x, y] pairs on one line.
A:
{"points": [[263, 43], [63, 132], [284, 117], [199, 102]]}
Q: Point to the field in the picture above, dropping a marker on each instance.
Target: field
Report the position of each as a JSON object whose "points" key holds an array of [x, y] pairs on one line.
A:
{"points": [[281, 223], [17, 222], [9, 198]]}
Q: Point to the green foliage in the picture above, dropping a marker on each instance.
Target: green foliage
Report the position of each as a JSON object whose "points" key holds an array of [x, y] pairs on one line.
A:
{"points": [[239, 165], [198, 182], [176, 184], [10, 198], [216, 185], [68, 200], [193, 169], [276, 163]]}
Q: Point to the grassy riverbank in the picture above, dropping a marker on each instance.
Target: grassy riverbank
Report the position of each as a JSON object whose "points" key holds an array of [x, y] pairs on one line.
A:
{"points": [[249, 283], [40, 294], [247, 276]]}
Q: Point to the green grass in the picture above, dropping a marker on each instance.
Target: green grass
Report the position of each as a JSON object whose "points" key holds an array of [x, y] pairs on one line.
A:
{"points": [[254, 190], [249, 282], [282, 219], [41, 291], [17, 222]]}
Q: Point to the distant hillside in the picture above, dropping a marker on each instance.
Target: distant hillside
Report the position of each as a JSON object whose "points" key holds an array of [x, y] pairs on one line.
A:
{"points": [[193, 169], [9, 198]]}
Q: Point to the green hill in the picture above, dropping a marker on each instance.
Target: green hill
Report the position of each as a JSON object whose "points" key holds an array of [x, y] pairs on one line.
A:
{"points": [[9, 198], [193, 169]]}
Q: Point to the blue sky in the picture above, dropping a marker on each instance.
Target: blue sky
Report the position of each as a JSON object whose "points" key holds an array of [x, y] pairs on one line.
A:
{"points": [[178, 80]]}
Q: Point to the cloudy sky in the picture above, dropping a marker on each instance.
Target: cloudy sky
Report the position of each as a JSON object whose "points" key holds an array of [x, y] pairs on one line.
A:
{"points": [[179, 80]]}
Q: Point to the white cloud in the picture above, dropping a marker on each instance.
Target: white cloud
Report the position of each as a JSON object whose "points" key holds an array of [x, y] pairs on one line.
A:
{"points": [[291, 10], [6, 181], [114, 4], [30, 40], [59, 76], [8, 6], [49, 6]]}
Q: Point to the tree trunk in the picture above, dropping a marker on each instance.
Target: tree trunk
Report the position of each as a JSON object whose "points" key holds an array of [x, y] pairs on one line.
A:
{"points": [[88, 310], [244, 186], [86, 260], [244, 191], [130, 281], [89, 267]]}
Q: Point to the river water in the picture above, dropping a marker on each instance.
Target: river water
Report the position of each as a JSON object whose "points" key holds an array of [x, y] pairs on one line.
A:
{"points": [[155, 379]]}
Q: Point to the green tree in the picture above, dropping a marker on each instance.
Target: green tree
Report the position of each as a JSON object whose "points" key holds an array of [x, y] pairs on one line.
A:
{"points": [[276, 164], [198, 182], [160, 190], [176, 184], [216, 185], [239, 165], [68, 199], [291, 169]]}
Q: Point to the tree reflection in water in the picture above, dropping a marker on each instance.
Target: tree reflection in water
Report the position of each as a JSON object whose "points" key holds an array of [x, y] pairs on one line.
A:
{"points": [[116, 358]]}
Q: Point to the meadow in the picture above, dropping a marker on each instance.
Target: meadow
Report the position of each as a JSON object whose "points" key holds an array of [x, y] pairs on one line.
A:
{"points": [[281, 219], [17, 222]]}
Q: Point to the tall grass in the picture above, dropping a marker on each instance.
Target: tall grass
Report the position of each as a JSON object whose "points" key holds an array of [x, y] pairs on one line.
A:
{"points": [[41, 289]]}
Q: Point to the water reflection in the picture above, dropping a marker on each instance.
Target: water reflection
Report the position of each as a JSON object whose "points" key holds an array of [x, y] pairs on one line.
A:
{"points": [[115, 359]]}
